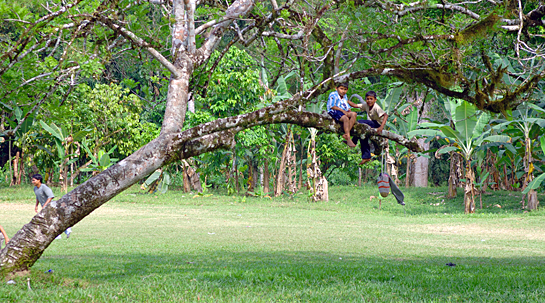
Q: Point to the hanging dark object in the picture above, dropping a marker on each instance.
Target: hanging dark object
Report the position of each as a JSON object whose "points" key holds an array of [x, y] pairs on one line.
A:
{"points": [[385, 183]]}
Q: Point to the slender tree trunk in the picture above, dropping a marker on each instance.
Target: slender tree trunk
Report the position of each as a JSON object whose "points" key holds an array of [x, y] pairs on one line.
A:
{"points": [[300, 184], [72, 167], [317, 183], [234, 173], [513, 175], [280, 177], [21, 169], [492, 170], [260, 176], [227, 171], [292, 166], [359, 176], [469, 192], [251, 180], [16, 178], [533, 202], [187, 186], [24, 176], [408, 170], [9, 161], [237, 185], [454, 174], [506, 178], [266, 189], [528, 169]]}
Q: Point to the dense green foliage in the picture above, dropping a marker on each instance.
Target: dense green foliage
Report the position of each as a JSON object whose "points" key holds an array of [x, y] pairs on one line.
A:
{"points": [[86, 78]]}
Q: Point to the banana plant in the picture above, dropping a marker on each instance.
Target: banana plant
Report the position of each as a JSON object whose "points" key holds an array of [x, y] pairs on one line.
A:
{"points": [[535, 183], [528, 125], [63, 141], [469, 133], [101, 161], [159, 180]]}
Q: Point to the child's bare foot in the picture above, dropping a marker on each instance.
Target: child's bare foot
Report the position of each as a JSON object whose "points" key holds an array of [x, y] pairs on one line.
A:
{"points": [[349, 140], [363, 161]]}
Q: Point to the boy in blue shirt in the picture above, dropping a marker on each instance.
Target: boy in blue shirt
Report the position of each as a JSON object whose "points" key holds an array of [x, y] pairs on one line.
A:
{"points": [[338, 107]]}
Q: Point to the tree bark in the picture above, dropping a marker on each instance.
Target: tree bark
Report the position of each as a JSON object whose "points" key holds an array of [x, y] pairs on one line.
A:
{"points": [[291, 163], [193, 178], [528, 169], [420, 171], [533, 202], [316, 182], [9, 161], [280, 176], [251, 177], [455, 173], [300, 184], [421, 164], [266, 174], [492, 170], [469, 191], [14, 180], [408, 169], [359, 176]]}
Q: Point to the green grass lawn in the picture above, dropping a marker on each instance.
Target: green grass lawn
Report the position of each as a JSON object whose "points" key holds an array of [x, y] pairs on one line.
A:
{"points": [[180, 248]]}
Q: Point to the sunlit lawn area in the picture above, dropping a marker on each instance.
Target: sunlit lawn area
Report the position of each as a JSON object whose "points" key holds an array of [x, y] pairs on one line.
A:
{"points": [[180, 248]]}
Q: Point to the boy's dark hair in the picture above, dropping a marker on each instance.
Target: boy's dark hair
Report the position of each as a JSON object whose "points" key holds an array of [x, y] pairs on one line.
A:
{"points": [[371, 93], [345, 84], [37, 177]]}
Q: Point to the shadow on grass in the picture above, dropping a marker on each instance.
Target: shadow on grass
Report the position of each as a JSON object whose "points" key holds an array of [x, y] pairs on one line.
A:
{"points": [[306, 276]]}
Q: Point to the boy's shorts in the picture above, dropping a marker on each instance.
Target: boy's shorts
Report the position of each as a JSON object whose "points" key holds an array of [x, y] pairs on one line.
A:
{"points": [[336, 114]]}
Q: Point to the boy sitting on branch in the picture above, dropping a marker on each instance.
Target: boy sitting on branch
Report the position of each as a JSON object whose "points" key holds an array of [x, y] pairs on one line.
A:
{"points": [[338, 107], [377, 119]]}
